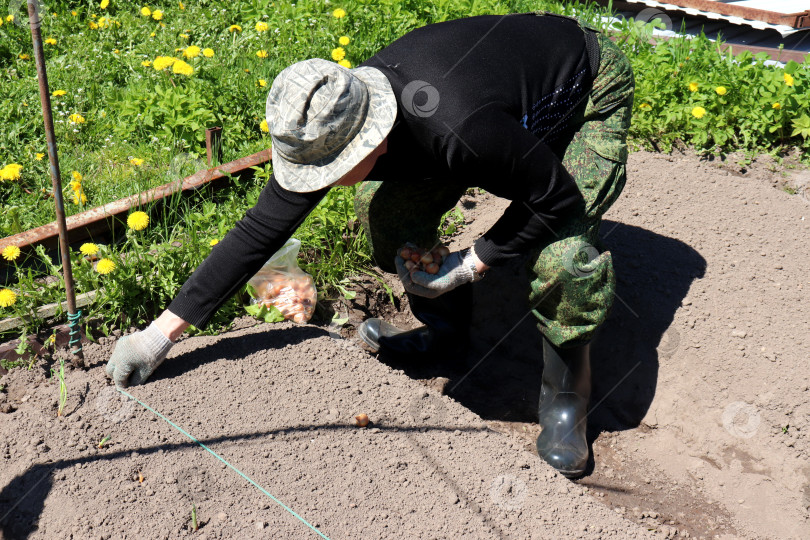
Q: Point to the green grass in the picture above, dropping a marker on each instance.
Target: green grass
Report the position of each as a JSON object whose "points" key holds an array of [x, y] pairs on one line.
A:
{"points": [[135, 111]]}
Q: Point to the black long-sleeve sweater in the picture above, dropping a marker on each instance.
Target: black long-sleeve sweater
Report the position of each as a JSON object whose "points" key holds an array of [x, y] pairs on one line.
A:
{"points": [[479, 100]]}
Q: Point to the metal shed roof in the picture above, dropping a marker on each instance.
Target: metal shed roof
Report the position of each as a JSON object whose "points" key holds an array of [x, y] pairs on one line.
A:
{"points": [[785, 16]]}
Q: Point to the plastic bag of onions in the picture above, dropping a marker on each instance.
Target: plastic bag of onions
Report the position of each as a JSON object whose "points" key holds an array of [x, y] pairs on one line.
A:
{"points": [[280, 283]]}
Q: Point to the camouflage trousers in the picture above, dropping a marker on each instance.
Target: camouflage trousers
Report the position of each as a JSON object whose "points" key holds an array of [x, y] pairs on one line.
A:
{"points": [[572, 279]]}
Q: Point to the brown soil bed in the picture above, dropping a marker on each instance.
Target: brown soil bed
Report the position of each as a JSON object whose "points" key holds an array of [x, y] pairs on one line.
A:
{"points": [[699, 427]]}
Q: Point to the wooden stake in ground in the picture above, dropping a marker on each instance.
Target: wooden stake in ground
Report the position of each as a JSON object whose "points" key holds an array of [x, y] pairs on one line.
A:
{"points": [[35, 21]]}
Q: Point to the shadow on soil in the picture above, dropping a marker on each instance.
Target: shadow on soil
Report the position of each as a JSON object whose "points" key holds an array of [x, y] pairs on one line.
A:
{"points": [[500, 378]]}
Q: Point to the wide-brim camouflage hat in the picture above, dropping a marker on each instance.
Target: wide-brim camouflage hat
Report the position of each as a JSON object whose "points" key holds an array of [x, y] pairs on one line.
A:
{"points": [[324, 119]]}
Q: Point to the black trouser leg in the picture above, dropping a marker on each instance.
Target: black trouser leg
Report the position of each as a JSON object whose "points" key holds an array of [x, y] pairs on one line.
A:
{"points": [[446, 331]]}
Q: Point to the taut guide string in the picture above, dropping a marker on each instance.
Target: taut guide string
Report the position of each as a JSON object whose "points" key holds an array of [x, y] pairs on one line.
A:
{"points": [[243, 475]]}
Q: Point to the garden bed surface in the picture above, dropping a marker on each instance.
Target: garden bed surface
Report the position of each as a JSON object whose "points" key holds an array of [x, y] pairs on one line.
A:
{"points": [[700, 417]]}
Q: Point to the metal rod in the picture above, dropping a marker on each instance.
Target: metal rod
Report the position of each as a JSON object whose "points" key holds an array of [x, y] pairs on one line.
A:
{"points": [[213, 145], [35, 22]]}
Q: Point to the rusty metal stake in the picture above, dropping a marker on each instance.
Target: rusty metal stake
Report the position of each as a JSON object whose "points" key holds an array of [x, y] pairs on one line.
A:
{"points": [[213, 145], [44, 95]]}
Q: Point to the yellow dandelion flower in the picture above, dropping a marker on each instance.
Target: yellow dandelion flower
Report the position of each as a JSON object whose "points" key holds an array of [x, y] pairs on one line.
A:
{"points": [[339, 13], [247, 70], [10, 253], [93, 26], [57, 93], [234, 28], [262, 53], [184, 36], [105, 266], [262, 26], [157, 15], [7, 298], [89, 249], [116, 51], [264, 127], [345, 63], [338, 54], [163, 62], [645, 107], [776, 106], [10, 18], [146, 63], [39, 156], [344, 40], [262, 83], [721, 90], [138, 220], [192, 51], [152, 34], [74, 13], [104, 22], [75, 185], [79, 198], [136, 161], [698, 112], [76, 118], [50, 41], [76, 176], [146, 12], [208, 53], [181, 5], [693, 87], [213, 242], [11, 172], [24, 56], [182, 68], [789, 80], [104, 4]]}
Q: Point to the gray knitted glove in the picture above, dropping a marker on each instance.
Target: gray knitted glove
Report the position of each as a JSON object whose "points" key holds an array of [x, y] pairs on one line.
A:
{"points": [[457, 269], [138, 355]]}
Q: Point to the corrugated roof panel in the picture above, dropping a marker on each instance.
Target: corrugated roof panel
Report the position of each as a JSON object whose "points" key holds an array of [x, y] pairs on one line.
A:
{"points": [[784, 30], [777, 6]]}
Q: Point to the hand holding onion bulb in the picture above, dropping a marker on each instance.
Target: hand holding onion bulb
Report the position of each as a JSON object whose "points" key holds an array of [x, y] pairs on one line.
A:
{"points": [[423, 260]]}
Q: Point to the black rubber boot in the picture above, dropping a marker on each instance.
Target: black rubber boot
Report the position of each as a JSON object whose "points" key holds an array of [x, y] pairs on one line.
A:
{"points": [[446, 318], [564, 396]]}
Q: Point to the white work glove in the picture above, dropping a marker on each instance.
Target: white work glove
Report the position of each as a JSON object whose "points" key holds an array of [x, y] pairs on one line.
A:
{"points": [[137, 356], [457, 269]]}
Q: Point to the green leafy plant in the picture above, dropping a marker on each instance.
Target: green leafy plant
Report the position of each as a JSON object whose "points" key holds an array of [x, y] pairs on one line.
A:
{"points": [[194, 525], [60, 375], [451, 222]]}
